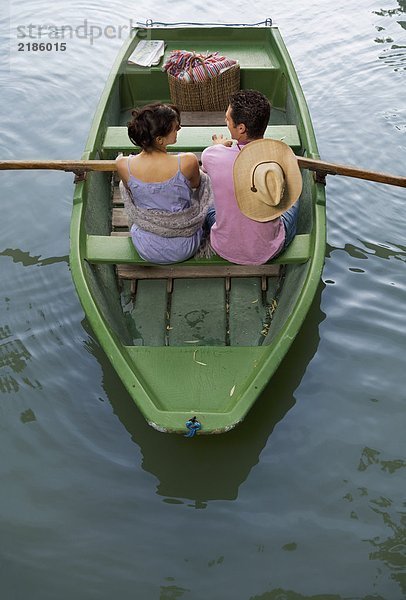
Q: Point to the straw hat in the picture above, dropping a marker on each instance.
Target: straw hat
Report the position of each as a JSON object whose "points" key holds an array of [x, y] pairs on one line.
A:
{"points": [[267, 179]]}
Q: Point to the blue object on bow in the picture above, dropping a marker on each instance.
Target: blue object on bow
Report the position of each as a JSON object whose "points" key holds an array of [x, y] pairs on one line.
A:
{"points": [[193, 425]]}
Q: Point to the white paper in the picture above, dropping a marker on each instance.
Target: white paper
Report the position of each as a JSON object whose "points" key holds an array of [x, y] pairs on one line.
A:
{"points": [[147, 53]]}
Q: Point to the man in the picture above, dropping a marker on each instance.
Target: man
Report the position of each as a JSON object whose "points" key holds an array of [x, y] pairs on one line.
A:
{"points": [[241, 238]]}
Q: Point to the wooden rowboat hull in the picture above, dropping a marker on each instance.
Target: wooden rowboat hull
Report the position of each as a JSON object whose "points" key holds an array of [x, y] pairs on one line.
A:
{"points": [[185, 344]]}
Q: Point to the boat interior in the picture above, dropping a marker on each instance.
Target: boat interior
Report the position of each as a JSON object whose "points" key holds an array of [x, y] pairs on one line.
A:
{"points": [[196, 303]]}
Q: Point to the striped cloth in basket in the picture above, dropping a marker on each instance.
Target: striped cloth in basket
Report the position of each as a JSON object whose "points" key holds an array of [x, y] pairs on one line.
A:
{"points": [[191, 67]]}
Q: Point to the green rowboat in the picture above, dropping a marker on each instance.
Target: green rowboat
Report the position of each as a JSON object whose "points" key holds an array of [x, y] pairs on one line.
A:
{"points": [[204, 337]]}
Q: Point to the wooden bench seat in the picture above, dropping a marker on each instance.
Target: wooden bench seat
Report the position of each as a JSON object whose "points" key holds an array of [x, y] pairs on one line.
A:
{"points": [[120, 250], [193, 139]]}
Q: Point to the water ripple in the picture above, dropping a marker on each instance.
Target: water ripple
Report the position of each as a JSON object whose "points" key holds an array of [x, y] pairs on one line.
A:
{"points": [[312, 482]]}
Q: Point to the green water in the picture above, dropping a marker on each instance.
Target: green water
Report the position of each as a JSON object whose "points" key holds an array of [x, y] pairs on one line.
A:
{"points": [[306, 499]]}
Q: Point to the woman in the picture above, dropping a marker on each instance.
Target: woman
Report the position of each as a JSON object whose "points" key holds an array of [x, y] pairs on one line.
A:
{"points": [[166, 224]]}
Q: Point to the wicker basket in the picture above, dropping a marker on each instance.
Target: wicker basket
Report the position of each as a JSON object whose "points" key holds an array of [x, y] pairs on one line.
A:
{"points": [[211, 94]]}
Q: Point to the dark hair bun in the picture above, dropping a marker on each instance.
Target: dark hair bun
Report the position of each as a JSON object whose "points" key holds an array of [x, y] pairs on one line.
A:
{"points": [[150, 122], [139, 129]]}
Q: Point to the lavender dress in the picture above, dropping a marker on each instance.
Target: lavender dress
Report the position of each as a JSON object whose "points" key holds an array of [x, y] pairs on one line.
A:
{"points": [[172, 195]]}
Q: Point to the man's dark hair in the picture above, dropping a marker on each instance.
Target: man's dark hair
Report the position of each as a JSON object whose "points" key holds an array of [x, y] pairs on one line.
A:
{"points": [[252, 109]]}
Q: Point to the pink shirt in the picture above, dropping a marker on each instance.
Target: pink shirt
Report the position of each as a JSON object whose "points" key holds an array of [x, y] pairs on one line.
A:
{"points": [[234, 236]]}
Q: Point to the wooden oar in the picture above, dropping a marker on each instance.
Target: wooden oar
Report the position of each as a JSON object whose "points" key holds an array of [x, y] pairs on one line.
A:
{"points": [[321, 167], [326, 168], [59, 165]]}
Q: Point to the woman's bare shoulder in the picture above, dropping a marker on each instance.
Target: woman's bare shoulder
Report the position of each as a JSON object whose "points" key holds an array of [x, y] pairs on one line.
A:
{"points": [[122, 165], [190, 168], [189, 161]]}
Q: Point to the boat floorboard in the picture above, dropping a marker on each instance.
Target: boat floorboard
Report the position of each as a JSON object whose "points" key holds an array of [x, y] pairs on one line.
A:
{"points": [[237, 314], [247, 313], [196, 319], [146, 320]]}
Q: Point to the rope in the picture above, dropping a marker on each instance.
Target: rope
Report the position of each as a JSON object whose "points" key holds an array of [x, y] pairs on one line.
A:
{"points": [[193, 425], [151, 23]]}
